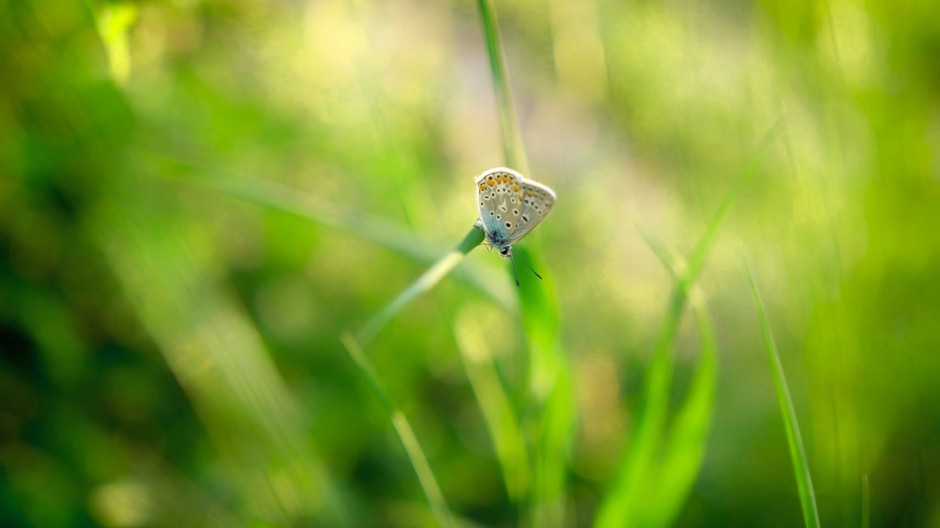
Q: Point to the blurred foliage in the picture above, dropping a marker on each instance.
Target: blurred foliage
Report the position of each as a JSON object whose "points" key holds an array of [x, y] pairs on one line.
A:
{"points": [[199, 197]]}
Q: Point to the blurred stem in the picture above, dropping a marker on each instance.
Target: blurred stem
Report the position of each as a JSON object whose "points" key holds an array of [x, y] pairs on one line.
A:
{"points": [[684, 448], [405, 433], [214, 350], [324, 213], [513, 147], [114, 21], [550, 373], [866, 503], [627, 501], [804, 480], [425, 282], [495, 404]]}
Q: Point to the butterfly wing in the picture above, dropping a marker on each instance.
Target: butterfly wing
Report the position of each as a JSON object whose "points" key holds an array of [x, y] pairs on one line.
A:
{"points": [[499, 204], [511, 205], [537, 201]]}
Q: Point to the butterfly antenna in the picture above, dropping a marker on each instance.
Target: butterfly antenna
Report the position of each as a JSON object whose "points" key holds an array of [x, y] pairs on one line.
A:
{"points": [[526, 262], [512, 261]]}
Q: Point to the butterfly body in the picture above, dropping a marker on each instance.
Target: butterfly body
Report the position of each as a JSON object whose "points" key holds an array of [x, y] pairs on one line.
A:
{"points": [[510, 206]]}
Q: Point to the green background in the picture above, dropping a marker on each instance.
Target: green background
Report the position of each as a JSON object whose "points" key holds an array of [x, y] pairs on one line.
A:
{"points": [[199, 199]]}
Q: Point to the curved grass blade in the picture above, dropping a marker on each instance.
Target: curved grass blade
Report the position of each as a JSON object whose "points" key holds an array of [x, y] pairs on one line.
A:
{"points": [[627, 502], [804, 481], [550, 372], [551, 415], [425, 282], [501, 420], [305, 205], [624, 504], [685, 446], [217, 355], [432, 491]]}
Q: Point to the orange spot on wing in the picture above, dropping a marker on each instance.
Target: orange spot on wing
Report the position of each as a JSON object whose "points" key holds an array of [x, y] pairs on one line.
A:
{"points": [[490, 183], [515, 188]]}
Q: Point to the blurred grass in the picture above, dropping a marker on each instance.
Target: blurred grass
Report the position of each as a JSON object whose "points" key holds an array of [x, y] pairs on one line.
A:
{"points": [[502, 421], [406, 434], [168, 349], [549, 417], [866, 503], [637, 495], [658, 469], [804, 481], [422, 284], [550, 392], [512, 142], [217, 356], [378, 231]]}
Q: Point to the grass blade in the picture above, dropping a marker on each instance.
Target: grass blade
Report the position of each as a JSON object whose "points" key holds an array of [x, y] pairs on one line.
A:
{"points": [[216, 353], [626, 503], [685, 447], [432, 491], [380, 232], [513, 147], [804, 481], [866, 503], [550, 417], [323, 212], [495, 406], [425, 282]]}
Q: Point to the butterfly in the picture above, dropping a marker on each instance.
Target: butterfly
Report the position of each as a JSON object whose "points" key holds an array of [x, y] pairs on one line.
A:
{"points": [[510, 207]]}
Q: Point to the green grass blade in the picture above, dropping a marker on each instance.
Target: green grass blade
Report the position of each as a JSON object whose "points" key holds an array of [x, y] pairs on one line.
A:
{"points": [[323, 212], [685, 446], [672, 262], [215, 352], [552, 428], [804, 481], [550, 419], [425, 282], [432, 491], [624, 504], [627, 503], [495, 405], [380, 232], [305, 205], [513, 147], [697, 258], [866, 503]]}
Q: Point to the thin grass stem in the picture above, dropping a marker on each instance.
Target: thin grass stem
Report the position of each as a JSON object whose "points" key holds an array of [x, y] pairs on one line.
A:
{"points": [[406, 435], [627, 502], [866, 503], [513, 147], [804, 481], [425, 282]]}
